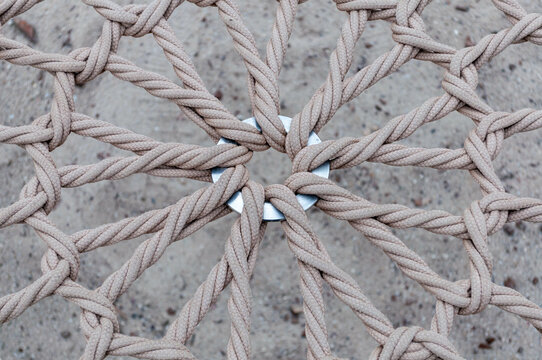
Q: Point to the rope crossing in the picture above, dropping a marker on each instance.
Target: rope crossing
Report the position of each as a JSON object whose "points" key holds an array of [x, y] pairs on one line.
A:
{"points": [[99, 323]]}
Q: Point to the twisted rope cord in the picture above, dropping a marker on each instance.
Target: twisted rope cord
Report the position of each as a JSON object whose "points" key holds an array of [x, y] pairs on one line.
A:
{"points": [[99, 324]]}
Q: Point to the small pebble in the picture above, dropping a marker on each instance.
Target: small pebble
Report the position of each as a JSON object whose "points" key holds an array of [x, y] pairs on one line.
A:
{"points": [[508, 229], [509, 282], [28, 30], [296, 309], [418, 202], [521, 225], [218, 94], [66, 334]]}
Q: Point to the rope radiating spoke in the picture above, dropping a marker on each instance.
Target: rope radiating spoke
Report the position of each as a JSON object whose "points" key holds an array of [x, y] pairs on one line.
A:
{"points": [[182, 217]]}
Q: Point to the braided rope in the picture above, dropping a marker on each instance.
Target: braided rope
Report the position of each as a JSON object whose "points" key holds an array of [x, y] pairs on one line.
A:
{"points": [[99, 324]]}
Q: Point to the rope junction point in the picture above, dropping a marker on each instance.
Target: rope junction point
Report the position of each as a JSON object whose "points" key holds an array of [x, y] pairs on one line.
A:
{"points": [[471, 228], [270, 212]]}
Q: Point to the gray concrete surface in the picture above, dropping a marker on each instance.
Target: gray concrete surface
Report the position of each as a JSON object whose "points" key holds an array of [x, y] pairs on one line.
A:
{"points": [[513, 80]]}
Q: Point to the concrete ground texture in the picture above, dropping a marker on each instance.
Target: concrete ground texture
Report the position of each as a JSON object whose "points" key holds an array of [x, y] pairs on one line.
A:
{"points": [[511, 81]]}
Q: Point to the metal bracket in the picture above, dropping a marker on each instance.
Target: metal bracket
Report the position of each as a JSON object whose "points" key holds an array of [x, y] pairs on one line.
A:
{"points": [[270, 212]]}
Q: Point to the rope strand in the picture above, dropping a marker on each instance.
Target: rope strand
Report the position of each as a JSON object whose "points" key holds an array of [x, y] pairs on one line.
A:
{"points": [[483, 217]]}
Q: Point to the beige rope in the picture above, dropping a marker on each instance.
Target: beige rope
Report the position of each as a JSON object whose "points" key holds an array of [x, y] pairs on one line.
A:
{"points": [[99, 324]]}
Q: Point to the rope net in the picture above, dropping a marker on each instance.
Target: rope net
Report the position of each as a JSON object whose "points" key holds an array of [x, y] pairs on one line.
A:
{"points": [[483, 217]]}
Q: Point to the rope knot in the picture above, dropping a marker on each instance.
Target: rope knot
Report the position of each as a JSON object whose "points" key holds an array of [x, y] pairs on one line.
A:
{"points": [[149, 16], [99, 341], [98, 318], [414, 342], [492, 136], [398, 342], [63, 105], [479, 154], [411, 32], [480, 260], [47, 178], [496, 206], [284, 199], [462, 87], [138, 20], [131, 20], [97, 57]]}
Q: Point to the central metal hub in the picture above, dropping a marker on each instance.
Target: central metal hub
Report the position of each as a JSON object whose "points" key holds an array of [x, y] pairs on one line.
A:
{"points": [[270, 212]]}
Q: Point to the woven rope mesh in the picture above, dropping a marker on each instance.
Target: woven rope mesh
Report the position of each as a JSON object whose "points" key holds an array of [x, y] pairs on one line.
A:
{"points": [[453, 298]]}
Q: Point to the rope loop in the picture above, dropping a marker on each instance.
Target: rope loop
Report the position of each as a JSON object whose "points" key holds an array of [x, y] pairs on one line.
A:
{"points": [[306, 186]]}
